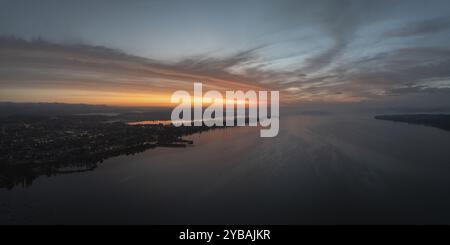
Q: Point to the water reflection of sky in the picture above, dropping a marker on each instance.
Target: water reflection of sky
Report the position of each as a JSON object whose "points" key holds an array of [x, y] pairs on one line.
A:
{"points": [[168, 122]]}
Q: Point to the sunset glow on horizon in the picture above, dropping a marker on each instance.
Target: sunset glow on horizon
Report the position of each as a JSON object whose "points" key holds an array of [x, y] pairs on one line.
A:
{"points": [[310, 54]]}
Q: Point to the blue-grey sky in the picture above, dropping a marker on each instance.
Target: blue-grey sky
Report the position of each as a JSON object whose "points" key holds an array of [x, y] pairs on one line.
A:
{"points": [[322, 50]]}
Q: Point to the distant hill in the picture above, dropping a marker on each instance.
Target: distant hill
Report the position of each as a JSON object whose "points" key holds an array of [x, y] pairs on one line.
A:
{"points": [[8, 109], [35, 109], [441, 121]]}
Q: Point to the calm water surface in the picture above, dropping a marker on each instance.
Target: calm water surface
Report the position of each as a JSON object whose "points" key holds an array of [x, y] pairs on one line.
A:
{"points": [[327, 169]]}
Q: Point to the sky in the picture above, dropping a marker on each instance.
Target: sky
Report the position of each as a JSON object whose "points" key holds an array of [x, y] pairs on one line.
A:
{"points": [[139, 52]]}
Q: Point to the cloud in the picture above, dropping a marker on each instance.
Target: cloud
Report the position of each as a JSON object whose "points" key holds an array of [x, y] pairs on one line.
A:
{"points": [[416, 70], [339, 20], [419, 28], [418, 89], [41, 63], [405, 65]]}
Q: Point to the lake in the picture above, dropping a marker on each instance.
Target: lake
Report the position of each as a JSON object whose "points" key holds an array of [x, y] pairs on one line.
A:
{"points": [[320, 169]]}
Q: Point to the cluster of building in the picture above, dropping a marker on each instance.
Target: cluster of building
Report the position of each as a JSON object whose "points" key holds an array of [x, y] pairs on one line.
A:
{"points": [[35, 146]]}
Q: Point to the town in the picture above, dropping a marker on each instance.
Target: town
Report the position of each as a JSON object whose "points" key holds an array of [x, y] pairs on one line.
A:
{"points": [[31, 146]]}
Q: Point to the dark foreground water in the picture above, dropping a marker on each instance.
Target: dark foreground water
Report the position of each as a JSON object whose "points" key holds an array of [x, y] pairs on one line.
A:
{"points": [[323, 169]]}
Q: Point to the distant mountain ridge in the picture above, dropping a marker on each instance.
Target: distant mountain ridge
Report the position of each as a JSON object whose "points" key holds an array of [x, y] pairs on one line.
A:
{"points": [[8, 109], [441, 121]]}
